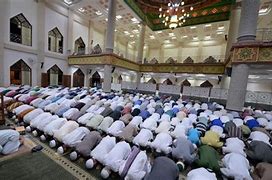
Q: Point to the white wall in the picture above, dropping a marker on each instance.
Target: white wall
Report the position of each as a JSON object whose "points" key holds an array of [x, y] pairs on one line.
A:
{"points": [[62, 64], [11, 57], [80, 30], [98, 38], [54, 19]]}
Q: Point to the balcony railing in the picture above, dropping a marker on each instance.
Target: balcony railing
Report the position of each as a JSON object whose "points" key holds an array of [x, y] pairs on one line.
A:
{"points": [[264, 34]]}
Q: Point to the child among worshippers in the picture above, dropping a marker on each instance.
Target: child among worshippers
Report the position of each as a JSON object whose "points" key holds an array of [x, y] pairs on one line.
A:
{"points": [[208, 158], [236, 166], [9, 141], [85, 147], [162, 143], [136, 166], [143, 138], [234, 145], [184, 151], [211, 138], [163, 168], [59, 134], [262, 171], [100, 151], [115, 158], [73, 138], [201, 173]]}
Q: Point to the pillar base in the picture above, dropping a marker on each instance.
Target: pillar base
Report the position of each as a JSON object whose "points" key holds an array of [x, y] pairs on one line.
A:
{"points": [[246, 38], [109, 50]]}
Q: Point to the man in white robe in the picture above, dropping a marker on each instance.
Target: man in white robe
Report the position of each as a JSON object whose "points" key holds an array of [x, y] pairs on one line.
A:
{"points": [[9, 141]]}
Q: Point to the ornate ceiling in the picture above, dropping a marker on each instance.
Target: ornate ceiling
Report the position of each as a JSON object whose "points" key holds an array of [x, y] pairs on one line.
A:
{"points": [[205, 11]]}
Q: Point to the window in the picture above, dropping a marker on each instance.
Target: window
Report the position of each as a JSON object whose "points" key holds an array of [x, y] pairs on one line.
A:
{"points": [[55, 41], [55, 75], [20, 73], [79, 46], [20, 30]]}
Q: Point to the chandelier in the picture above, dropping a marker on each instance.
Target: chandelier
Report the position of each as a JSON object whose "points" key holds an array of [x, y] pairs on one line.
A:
{"points": [[175, 14]]}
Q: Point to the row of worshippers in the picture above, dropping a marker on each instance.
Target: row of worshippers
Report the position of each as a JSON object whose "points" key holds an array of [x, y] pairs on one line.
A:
{"points": [[194, 130]]}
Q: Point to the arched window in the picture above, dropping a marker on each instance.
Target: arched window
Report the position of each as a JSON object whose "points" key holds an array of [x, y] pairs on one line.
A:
{"points": [[55, 41], [55, 75], [20, 30], [168, 82], [120, 79], [206, 84], [79, 46], [78, 78], [152, 81], [20, 73]]}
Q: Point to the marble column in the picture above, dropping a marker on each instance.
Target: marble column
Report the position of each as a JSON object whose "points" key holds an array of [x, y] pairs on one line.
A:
{"points": [[86, 77], [90, 37], [140, 49], [126, 55], [41, 42], [161, 56], [3, 14], [70, 40], [233, 27], [248, 20], [138, 79], [107, 78], [111, 26], [240, 72]]}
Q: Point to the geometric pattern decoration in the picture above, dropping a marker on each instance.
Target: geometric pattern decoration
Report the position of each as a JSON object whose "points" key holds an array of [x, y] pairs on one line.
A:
{"points": [[265, 54], [205, 12], [259, 97]]}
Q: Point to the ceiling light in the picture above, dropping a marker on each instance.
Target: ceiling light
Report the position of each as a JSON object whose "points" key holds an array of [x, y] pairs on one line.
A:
{"points": [[126, 32], [119, 17], [135, 30], [68, 2], [174, 37], [158, 32], [185, 36], [200, 75], [134, 20], [131, 35], [220, 28], [208, 37], [106, 19], [132, 42], [264, 11], [192, 27], [171, 34], [98, 13], [152, 37], [81, 10], [166, 41], [219, 32], [195, 38], [208, 25], [253, 77]]}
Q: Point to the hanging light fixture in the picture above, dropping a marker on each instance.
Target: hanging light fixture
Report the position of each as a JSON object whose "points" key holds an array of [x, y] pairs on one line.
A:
{"points": [[176, 13]]}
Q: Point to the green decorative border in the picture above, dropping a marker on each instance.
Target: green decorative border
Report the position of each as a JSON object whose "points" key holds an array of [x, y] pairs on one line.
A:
{"points": [[201, 19]]}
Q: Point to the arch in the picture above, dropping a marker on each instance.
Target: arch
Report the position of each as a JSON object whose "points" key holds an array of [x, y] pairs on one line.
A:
{"points": [[54, 75], [152, 81], [78, 78], [80, 46], [184, 83], [168, 82], [55, 41], [120, 79], [20, 73], [95, 80], [206, 84], [20, 30]]}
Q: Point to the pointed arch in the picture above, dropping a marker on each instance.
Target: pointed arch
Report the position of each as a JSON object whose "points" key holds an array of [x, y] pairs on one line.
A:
{"points": [[20, 30], [184, 83], [80, 46], [120, 79], [20, 73], [78, 78], [95, 80], [206, 84], [168, 82], [55, 41], [152, 81], [55, 75]]}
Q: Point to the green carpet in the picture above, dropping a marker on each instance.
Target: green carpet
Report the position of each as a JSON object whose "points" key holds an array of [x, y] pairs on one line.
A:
{"points": [[32, 166]]}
